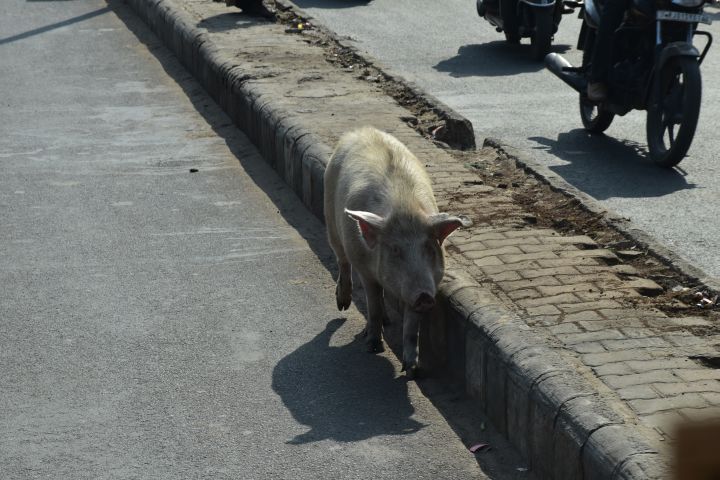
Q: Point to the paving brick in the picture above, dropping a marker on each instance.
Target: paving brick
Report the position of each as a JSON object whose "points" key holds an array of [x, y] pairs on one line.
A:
{"points": [[573, 338], [518, 267], [608, 294], [617, 368], [557, 289], [542, 310], [697, 374], [510, 242], [543, 247], [598, 253], [690, 321], [702, 386], [523, 294], [685, 339], [541, 272], [462, 246], [575, 240], [646, 378], [636, 392], [599, 278], [691, 400], [628, 343], [548, 300], [506, 276], [488, 236], [620, 269], [576, 262], [535, 282], [586, 316], [490, 252], [588, 347], [711, 413], [665, 422], [660, 364], [583, 306], [564, 328], [534, 232], [523, 257], [631, 332], [596, 359], [488, 262], [713, 398], [644, 286], [545, 320]]}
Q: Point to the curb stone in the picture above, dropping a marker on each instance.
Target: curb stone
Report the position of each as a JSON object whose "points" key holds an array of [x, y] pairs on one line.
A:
{"points": [[548, 410]]}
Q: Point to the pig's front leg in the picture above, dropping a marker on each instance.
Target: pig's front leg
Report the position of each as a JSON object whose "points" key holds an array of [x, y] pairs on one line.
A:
{"points": [[343, 288], [411, 324], [376, 313]]}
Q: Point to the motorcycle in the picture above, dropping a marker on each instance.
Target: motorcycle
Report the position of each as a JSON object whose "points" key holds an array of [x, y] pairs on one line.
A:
{"points": [[654, 67], [536, 19]]}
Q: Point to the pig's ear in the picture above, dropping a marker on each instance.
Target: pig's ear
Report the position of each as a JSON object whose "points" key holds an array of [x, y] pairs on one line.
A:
{"points": [[442, 225], [370, 225]]}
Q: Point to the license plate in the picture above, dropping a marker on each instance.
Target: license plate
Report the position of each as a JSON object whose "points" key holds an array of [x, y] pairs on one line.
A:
{"points": [[684, 17]]}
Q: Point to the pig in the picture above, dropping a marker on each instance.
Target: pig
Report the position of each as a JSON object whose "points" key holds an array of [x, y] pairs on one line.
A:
{"points": [[383, 223]]}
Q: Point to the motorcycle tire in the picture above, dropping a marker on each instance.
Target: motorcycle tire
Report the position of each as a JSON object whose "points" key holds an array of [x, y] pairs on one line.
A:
{"points": [[511, 24], [674, 101], [541, 39], [594, 118]]}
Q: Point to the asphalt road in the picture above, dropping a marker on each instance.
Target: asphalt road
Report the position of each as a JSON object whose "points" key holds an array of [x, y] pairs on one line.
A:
{"points": [[452, 53], [162, 323]]}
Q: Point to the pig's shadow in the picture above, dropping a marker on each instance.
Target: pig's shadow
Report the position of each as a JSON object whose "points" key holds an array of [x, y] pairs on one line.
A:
{"points": [[342, 393]]}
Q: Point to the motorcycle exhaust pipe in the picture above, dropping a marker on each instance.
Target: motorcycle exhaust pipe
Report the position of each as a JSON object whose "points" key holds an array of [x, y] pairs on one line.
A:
{"points": [[562, 69]]}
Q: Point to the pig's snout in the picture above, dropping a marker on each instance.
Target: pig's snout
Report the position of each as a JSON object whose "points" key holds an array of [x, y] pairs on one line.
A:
{"points": [[424, 302]]}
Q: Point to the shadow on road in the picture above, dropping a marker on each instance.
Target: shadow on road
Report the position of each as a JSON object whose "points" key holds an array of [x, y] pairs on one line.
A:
{"points": [[342, 393], [331, 3], [605, 167], [493, 59], [54, 26]]}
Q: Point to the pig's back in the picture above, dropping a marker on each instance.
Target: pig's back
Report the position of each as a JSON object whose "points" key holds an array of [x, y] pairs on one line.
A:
{"points": [[377, 173]]}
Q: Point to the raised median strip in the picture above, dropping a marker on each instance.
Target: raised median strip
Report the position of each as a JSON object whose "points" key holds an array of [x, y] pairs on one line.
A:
{"points": [[550, 332]]}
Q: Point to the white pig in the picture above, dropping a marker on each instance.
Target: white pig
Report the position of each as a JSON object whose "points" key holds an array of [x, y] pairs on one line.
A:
{"points": [[383, 222]]}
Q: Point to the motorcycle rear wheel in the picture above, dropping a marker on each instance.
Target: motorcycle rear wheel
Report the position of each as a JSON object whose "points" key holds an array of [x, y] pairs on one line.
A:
{"points": [[595, 119], [674, 102]]}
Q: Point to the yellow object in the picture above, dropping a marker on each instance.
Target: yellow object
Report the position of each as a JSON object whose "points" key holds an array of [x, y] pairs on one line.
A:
{"points": [[300, 26]]}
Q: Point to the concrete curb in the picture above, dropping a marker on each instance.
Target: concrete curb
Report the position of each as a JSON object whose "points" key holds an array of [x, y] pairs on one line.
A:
{"points": [[549, 411]]}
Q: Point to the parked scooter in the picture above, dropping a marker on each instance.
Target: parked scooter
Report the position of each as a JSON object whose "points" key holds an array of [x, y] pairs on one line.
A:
{"points": [[654, 67], [536, 19]]}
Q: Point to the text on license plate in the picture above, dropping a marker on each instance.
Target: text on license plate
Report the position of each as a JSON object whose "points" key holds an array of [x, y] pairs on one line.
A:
{"points": [[683, 17]]}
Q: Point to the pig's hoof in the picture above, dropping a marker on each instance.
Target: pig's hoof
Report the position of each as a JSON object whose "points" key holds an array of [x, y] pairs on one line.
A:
{"points": [[411, 371], [343, 299], [375, 346]]}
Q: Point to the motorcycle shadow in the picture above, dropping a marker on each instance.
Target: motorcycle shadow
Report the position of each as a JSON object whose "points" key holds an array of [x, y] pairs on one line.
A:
{"points": [[605, 167], [493, 59]]}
